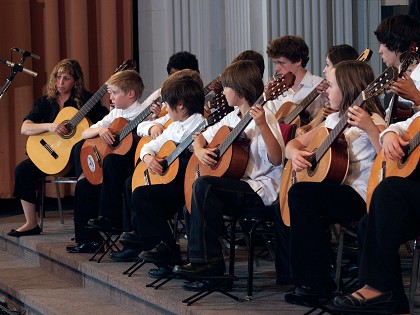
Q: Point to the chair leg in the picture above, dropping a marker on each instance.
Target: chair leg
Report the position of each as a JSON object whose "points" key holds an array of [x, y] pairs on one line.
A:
{"points": [[339, 259], [60, 207], [414, 276], [42, 205]]}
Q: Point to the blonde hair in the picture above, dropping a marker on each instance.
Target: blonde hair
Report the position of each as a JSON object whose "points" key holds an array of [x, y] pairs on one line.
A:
{"points": [[127, 80], [73, 68]]}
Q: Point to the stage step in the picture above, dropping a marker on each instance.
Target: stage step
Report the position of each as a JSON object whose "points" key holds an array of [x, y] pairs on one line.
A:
{"points": [[39, 276]]}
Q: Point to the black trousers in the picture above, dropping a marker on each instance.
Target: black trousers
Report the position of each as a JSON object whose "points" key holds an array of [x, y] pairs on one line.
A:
{"points": [[312, 207], [105, 199], [153, 205], [394, 218], [282, 250], [86, 206], [27, 175], [213, 197]]}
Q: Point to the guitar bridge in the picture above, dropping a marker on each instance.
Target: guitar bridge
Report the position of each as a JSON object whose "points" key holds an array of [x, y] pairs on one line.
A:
{"points": [[49, 149], [97, 156], [197, 171], [146, 177]]}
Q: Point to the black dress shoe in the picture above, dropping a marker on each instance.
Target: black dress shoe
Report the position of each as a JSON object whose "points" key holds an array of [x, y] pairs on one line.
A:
{"points": [[160, 272], [101, 223], [349, 302], [35, 231], [195, 269], [202, 285], [127, 254], [161, 254], [91, 247]]}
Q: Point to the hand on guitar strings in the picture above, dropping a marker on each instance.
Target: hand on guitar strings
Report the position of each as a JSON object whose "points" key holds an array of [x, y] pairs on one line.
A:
{"points": [[406, 88], [300, 160], [155, 131], [258, 114], [153, 163], [206, 155], [60, 129], [106, 135], [322, 88], [156, 108], [358, 117], [392, 146]]}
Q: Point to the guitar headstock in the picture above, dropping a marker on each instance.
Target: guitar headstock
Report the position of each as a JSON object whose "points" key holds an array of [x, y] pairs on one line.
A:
{"points": [[365, 55], [217, 101], [218, 114], [381, 83], [278, 85], [129, 64], [409, 58]]}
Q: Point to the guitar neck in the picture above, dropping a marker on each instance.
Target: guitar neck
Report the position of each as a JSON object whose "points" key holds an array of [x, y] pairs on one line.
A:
{"points": [[140, 117], [76, 119], [238, 129], [184, 144], [412, 145], [335, 132], [302, 106]]}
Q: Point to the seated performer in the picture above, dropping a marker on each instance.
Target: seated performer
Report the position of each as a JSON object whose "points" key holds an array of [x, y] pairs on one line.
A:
{"points": [[309, 214], [154, 204], [214, 196], [394, 218], [65, 88], [125, 89]]}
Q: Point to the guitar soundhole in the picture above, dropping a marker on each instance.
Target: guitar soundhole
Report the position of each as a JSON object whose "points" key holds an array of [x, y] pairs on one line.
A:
{"points": [[116, 141], [70, 130]]}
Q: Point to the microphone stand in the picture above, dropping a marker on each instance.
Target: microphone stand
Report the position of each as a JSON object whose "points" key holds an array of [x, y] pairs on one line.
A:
{"points": [[11, 76]]}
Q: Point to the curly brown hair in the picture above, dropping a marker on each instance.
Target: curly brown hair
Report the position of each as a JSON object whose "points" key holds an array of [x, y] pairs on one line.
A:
{"points": [[73, 68]]}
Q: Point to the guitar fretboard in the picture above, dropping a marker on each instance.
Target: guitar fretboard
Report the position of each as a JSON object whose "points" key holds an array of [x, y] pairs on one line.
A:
{"points": [[140, 117], [76, 119], [302, 106]]}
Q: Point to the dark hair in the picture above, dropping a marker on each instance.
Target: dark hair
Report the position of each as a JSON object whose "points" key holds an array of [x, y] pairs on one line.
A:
{"points": [[184, 87], [293, 48], [182, 60], [352, 78], [244, 78], [341, 53], [397, 32], [253, 56]]}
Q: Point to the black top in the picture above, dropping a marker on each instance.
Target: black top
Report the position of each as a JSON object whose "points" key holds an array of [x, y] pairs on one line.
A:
{"points": [[45, 111]]}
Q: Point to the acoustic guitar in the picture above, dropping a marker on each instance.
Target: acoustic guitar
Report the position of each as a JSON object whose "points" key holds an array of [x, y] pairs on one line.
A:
{"points": [[232, 156], [363, 57], [49, 151], [289, 112], [329, 161], [95, 150], [402, 167], [218, 101], [170, 153], [399, 111]]}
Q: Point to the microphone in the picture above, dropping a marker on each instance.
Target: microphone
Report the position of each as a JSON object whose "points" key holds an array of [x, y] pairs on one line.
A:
{"points": [[18, 67], [26, 53]]}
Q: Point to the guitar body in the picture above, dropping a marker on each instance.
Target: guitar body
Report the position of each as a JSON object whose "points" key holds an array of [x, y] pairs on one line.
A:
{"points": [[140, 145], [95, 150], [51, 152], [287, 179], [142, 177], [231, 164], [332, 167], [284, 110], [401, 168]]}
